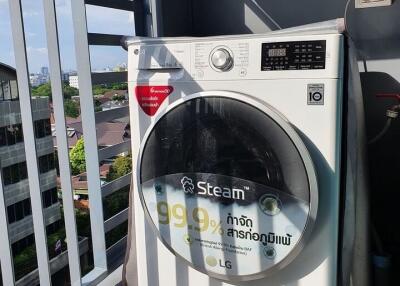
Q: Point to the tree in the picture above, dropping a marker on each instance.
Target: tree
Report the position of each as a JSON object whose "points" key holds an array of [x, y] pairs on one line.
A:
{"points": [[77, 157], [71, 108], [69, 91], [99, 89], [119, 86], [45, 90], [120, 167], [42, 90]]}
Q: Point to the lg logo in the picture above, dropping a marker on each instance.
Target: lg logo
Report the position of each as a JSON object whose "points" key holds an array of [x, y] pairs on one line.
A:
{"points": [[212, 261]]}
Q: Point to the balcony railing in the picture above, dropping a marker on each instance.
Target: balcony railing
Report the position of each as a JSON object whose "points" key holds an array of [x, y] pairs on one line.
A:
{"points": [[107, 259]]}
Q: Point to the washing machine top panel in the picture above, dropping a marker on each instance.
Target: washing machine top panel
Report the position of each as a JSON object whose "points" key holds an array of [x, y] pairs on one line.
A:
{"points": [[236, 58], [226, 187]]}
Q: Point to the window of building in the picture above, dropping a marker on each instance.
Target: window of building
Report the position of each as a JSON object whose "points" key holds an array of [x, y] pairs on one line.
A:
{"points": [[11, 214], [3, 136], [46, 163], [6, 90], [19, 210], [14, 173], [46, 197], [47, 126], [52, 228], [27, 207], [20, 245], [14, 90], [54, 196], [11, 134], [42, 128], [49, 197]]}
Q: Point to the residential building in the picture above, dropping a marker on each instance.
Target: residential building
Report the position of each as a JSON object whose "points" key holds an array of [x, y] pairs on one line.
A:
{"points": [[14, 173], [38, 79], [73, 80]]}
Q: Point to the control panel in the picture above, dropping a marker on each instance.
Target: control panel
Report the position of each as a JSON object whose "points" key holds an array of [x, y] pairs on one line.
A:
{"points": [[304, 55]]}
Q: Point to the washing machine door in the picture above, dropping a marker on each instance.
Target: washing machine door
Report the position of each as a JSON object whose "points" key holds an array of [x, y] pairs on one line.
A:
{"points": [[228, 185]]}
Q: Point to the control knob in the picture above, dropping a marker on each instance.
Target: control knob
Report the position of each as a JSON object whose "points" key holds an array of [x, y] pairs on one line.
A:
{"points": [[221, 59]]}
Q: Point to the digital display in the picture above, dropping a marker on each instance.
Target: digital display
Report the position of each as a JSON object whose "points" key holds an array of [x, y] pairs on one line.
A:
{"points": [[299, 55], [277, 52]]}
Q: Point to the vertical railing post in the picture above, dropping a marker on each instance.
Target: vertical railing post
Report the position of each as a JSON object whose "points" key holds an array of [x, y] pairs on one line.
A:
{"points": [[62, 141], [89, 131], [6, 260], [17, 26]]}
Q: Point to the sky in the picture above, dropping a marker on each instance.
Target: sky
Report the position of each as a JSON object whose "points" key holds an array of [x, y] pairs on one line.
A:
{"points": [[100, 20]]}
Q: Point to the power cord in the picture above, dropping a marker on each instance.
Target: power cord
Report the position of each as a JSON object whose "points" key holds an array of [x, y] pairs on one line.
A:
{"points": [[391, 114]]}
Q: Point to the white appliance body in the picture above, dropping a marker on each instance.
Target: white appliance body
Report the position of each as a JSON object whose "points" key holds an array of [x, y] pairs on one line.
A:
{"points": [[186, 66]]}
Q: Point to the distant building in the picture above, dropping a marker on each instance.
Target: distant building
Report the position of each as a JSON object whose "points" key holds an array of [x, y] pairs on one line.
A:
{"points": [[38, 79], [73, 81], [65, 76], [44, 70]]}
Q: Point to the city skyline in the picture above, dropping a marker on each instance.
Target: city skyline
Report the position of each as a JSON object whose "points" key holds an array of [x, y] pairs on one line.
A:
{"points": [[109, 21]]}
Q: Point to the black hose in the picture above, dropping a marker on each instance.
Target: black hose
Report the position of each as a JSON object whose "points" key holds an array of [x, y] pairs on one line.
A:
{"points": [[383, 132]]}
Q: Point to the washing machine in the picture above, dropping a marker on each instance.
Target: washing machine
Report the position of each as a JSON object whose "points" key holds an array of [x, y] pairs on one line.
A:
{"points": [[236, 149]]}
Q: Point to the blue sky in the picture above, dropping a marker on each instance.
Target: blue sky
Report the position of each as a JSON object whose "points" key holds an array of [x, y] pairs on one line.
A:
{"points": [[100, 20]]}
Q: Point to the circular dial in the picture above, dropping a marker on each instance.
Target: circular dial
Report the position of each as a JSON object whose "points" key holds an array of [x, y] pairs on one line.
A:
{"points": [[222, 59]]}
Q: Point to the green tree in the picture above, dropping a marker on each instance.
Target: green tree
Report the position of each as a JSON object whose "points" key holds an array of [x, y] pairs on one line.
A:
{"points": [[120, 167], [77, 157], [71, 108], [120, 86], [97, 105], [69, 91], [42, 90], [45, 90], [99, 89]]}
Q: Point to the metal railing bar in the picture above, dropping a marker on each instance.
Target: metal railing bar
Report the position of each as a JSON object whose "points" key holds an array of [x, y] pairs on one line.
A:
{"points": [[114, 150], [94, 277], [116, 220], [96, 39], [116, 185], [109, 77], [21, 62], [114, 278], [116, 254], [62, 142], [89, 131], [108, 115], [6, 259], [134, 6]]}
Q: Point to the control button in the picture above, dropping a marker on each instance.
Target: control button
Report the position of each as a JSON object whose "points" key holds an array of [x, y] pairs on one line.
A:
{"points": [[222, 59], [305, 66], [242, 72], [318, 66], [199, 73], [318, 57], [318, 47]]}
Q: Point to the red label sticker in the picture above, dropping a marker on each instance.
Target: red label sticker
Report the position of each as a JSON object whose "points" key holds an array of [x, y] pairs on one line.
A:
{"points": [[151, 97]]}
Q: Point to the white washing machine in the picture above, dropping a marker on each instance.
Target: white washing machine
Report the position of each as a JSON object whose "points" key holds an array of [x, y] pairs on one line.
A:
{"points": [[236, 151]]}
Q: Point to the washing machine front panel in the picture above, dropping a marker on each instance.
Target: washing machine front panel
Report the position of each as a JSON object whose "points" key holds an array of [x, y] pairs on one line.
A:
{"points": [[227, 185]]}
